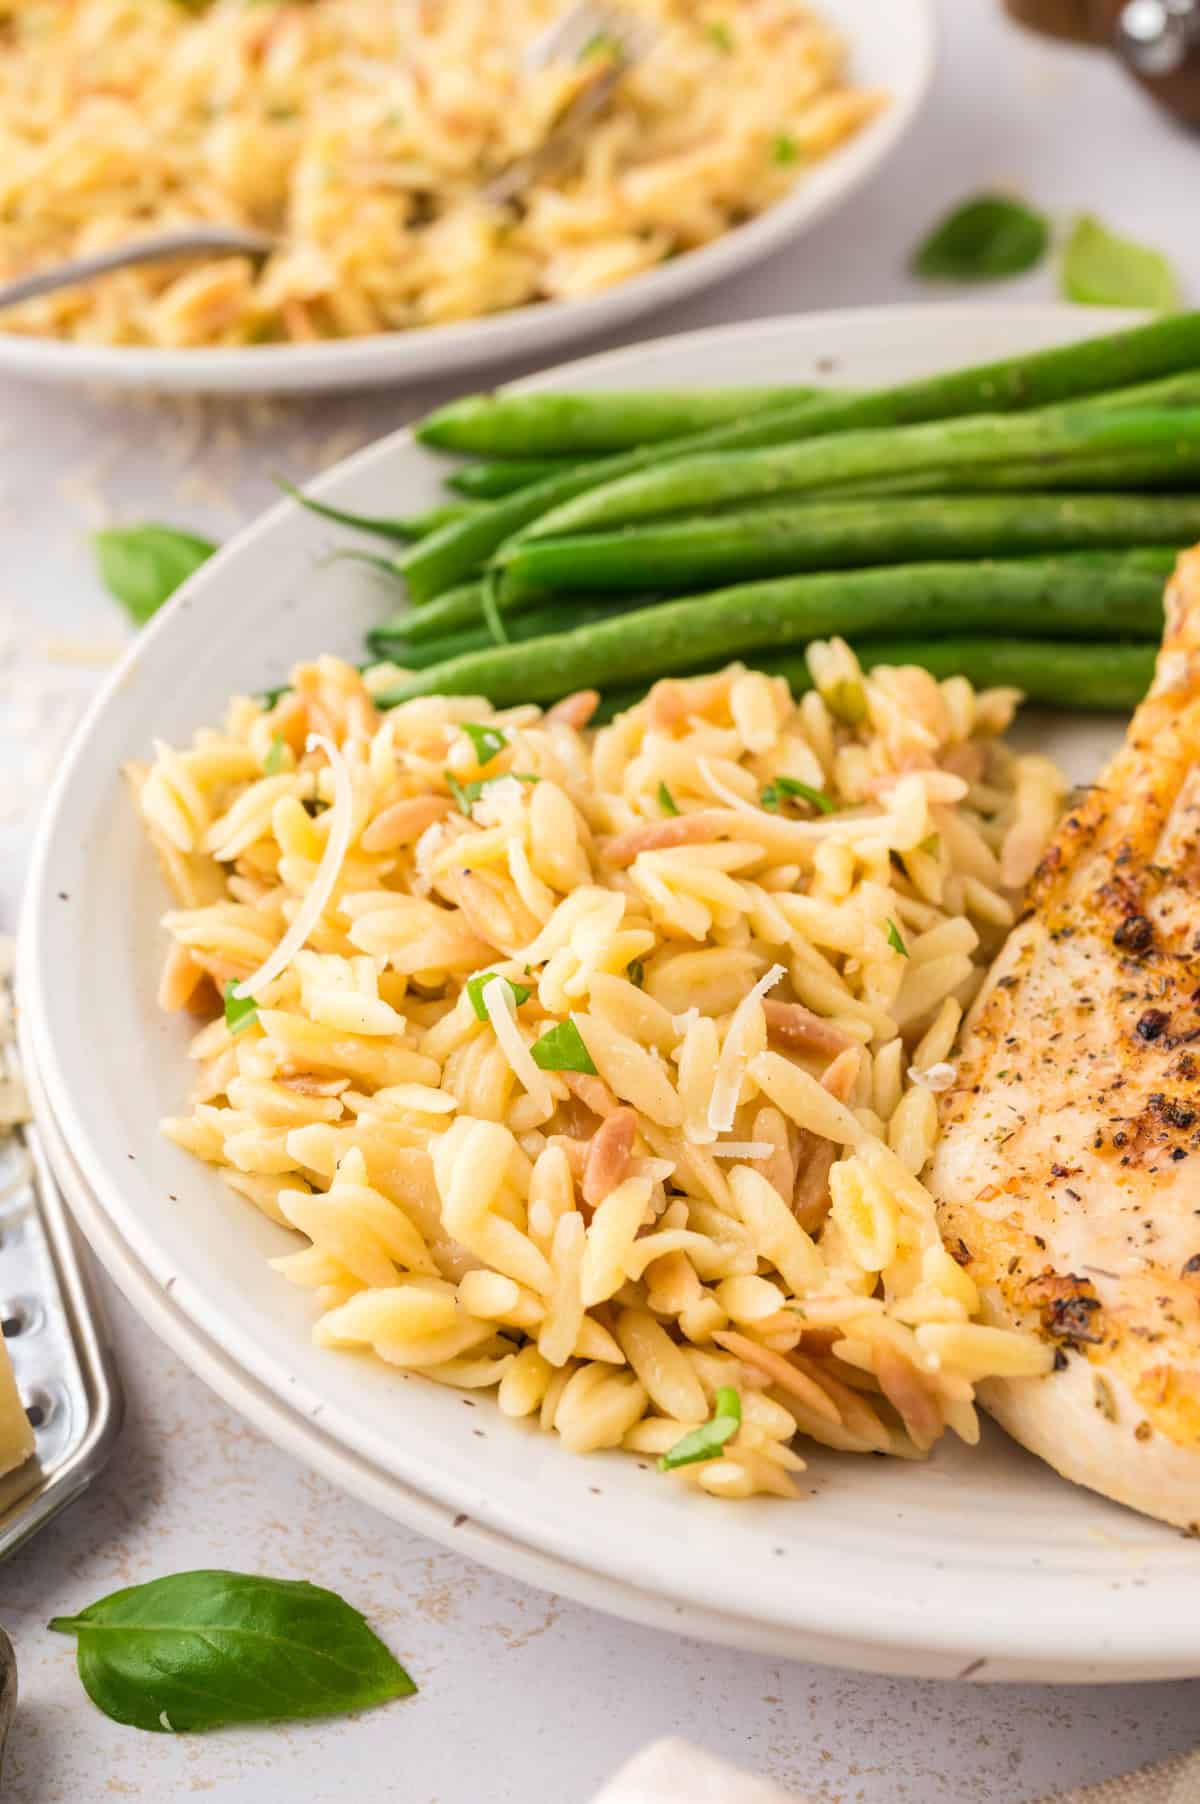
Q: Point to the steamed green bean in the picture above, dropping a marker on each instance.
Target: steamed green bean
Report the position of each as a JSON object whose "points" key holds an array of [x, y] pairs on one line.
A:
{"points": [[1077, 595]]}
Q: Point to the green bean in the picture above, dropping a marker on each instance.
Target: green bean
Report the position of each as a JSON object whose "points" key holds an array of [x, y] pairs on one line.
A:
{"points": [[696, 484], [554, 424], [488, 481], [463, 607], [785, 540], [1056, 671], [415, 526], [1040, 379], [423, 654], [1060, 673], [1083, 594]]}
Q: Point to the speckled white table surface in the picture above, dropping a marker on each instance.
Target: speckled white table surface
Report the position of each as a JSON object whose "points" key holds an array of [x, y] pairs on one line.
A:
{"points": [[523, 1697]]}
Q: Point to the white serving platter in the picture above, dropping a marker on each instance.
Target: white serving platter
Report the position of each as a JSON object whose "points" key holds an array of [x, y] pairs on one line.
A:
{"points": [[892, 46], [979, 1563]]}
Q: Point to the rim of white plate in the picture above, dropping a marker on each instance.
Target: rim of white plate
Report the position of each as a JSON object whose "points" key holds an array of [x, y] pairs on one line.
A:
{"points": [[952, 1610], [306, 1442], [426, 352]]}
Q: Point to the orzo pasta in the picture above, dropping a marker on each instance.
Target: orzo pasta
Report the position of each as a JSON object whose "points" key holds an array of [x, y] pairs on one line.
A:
{"points": [[361, 133], [598, 1067]]}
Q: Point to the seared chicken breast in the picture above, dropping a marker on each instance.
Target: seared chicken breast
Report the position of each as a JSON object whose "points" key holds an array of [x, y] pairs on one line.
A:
{"points": [[1068, 1173]]}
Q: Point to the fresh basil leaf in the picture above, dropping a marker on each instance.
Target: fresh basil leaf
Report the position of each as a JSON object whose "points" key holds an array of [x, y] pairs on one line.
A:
{"points": [[707, 1441], [846, 701], [603, 44], [635, 971], [142, 566], [562, 1049], [467, 794], [240, 1011], [984, 240], [489, 742], [198, 1650], [1101, 270], [666, 800], [784, 149], [718, 33], [894, 940], [778, 791], [475, 991], [273, 762]]}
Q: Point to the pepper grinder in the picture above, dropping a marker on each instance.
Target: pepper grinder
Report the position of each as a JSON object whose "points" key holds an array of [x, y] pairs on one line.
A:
{"points": [[1157, 40]]}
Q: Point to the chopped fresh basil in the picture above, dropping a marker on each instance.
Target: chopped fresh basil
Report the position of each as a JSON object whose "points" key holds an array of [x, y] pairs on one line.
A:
{"points": [[603, 44], [475, 987], [984, 240], [708, 1441], [467, 794], [718, 33], [931, 846], [1102, 270], [666, 800], [273, 762], [846, 701], [894, 940], [562, 1049], [781, 788], [635, 971], [240, 1011], [464, 793], [198, 1650], [784, 149], [489, 742], [142, 566]]}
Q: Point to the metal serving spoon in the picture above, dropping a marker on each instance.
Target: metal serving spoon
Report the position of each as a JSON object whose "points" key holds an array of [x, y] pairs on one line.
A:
{"points": [[188, 241], [8, 1693], [567, 39]]}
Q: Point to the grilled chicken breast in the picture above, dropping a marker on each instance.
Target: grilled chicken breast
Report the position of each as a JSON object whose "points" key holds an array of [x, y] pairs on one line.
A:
{"points": [[1068, 1174]]}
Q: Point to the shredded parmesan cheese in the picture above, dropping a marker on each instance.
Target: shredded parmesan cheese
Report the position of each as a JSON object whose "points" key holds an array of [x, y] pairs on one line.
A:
{"points": [[341, 825], [937, 1077], [501, 1008], [731, 1066], [830, 826]]}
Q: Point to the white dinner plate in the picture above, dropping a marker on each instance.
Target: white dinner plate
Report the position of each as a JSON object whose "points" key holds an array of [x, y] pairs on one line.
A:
{"points": [[892, 46], [977, 1560]]}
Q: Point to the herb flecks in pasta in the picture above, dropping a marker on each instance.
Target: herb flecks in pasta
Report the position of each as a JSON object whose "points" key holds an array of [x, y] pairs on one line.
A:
{"points": [[611, 1110]]}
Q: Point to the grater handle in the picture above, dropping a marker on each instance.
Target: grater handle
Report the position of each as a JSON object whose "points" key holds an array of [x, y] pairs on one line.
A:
{"points": [[1157, 37]]}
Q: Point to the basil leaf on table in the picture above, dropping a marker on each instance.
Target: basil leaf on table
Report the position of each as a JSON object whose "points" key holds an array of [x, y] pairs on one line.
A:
{"points": [[198, 1650], [1102, 270], [142, 566], [984, 240]]}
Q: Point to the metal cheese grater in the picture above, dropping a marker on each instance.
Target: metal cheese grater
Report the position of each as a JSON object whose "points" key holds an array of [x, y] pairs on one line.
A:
{"points": [[1157, 40], [54, 1332]]}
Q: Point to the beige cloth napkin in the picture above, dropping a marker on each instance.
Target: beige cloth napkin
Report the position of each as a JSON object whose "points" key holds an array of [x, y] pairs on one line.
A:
{"points": [[674, 1772]]}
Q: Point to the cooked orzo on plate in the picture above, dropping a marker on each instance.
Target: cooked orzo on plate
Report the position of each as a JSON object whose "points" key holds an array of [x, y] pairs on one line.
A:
{"points": [[598, 1066], [361, 132]]}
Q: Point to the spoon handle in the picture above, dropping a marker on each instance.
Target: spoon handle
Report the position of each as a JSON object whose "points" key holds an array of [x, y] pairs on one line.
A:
{"points": [[8, 1693], [210, 241]]}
